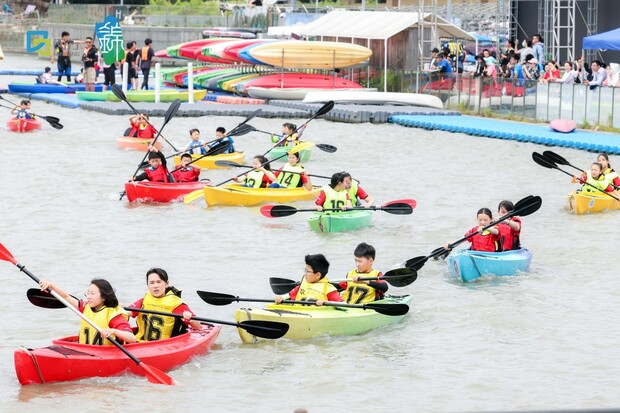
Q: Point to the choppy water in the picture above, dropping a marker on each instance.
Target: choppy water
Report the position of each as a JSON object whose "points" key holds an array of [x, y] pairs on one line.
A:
{"points": [[545, 340]]}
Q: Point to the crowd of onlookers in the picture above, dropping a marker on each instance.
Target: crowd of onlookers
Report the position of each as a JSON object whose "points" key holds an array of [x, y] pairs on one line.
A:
{"points": [[526, 64]]}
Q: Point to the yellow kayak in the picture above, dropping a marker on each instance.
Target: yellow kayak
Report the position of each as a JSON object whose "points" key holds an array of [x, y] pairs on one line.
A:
{"points": [[209, 161], [579, 202], [235, 194]]}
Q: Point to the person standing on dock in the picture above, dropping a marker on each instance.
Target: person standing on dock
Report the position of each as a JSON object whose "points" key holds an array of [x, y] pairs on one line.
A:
{"points": [[61, 48], [90, 57], [146, 60]]}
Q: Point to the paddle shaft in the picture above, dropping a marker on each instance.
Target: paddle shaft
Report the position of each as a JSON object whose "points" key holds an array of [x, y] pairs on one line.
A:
{"points": [[200, 157], [205, 320], [236, 165], [263, 164], [79, 314], [325, 303]]}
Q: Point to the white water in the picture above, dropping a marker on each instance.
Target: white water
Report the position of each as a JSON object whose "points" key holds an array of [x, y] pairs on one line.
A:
{"points": [[545, 340]]}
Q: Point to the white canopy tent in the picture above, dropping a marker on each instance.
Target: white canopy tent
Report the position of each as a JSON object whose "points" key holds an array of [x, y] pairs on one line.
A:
{"points": [[378, 25]]}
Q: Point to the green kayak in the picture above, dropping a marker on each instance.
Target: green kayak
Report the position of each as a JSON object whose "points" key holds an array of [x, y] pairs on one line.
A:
{"points": [[340, 221], [304, 154], [93, 96]]}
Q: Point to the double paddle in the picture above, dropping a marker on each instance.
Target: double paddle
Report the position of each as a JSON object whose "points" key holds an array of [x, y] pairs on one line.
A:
{"points": [[172, 110], [548, 161], [152, 374], [381, 308], [52, 120], [258, 328], [524, 207], [399, 277], [398, 207]]}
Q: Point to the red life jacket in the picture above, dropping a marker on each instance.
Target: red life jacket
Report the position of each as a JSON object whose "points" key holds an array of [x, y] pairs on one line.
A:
{"points": [[156, 175], [188, 175], [489, 242]]}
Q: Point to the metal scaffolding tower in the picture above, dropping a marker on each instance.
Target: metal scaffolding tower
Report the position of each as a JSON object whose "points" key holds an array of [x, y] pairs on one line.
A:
{"points": [[592, 26], [563, 30], [427, 30]]}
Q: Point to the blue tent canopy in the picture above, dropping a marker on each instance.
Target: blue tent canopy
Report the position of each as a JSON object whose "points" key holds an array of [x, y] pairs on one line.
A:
{"points": [[604, 41]]}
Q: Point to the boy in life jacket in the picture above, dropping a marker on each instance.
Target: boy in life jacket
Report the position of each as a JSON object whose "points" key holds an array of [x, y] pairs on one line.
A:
{"points": [[140, 127], [222, 144], [22, 112], [195, 145], [356, 193], [186, 172], [510, 229], [356, 291], [158, 171], [314, 286], [594, 177], [334, 195]]}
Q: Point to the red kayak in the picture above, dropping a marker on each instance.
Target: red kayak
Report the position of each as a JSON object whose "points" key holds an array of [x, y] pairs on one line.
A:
{"points": [[67, 360], [301, 80], [23, 125], [231, 52], [160, 191], [189, 50]]}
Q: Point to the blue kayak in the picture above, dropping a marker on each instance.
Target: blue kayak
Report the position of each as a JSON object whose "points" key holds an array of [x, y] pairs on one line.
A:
{"points": [[49, 88], [469, 265]]}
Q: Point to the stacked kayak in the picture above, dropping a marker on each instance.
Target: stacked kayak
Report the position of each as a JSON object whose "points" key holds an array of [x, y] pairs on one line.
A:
{"points": [[235, 194], [579, 202], [310, 55], [165, 95], [67, 360], [139, 144], [146, 191], [23, 125], [209, 161], [314, 321], [340, 221], [469, 265], [17, 87]]}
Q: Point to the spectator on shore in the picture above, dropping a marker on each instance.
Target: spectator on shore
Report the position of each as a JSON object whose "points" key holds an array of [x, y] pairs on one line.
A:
{"points": [[570, 74], [510, 49], [109, 73], [552, 73], [490, 63], [583, 70], [526, 51], [146, 59], [530, 70], [61, 49], [46, 77], [481, 67], [599, 74], [90, 57], [517, 71], [538, 49], [431, 65], [131, 57]]}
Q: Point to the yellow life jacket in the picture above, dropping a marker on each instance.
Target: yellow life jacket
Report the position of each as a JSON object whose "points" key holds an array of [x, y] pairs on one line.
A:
{"points": [[314, 291], [88, 334], [254, 179], [610, 174], [357, 293], [333, 198], [290, 176], [601, 183], [153, 327], [353, 193]]}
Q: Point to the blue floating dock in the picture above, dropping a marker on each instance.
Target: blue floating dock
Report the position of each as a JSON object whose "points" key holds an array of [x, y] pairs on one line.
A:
{"points": [[68, 100], [30, 72], [522, 132]]}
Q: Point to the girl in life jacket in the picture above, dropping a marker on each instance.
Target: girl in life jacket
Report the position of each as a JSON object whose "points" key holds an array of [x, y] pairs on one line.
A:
{"points": [[157, 171], [593, 179], [510, 229], [102, 308], [610, 174], [487, 240], [260, 177], [289, 136], [160, 296], [334, 195], [292, 175]]}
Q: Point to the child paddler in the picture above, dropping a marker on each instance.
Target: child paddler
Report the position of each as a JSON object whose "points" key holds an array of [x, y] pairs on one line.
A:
{"points": [[186, 172], [610, 174], [260, 177], [334, 195], [158, 170], [510, 229], [289, 136], [314, 286], [161, 297], [292, 175], [483, 240], [140, 128], [594, 177], [356, 193], [102, 308], [364, 291]]}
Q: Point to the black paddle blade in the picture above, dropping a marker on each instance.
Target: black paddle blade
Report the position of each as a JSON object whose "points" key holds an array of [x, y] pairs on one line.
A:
{"points": [[264, 329], [278, 211], [172, 110], [326, 148], [242, 130], [398, 208], [251, 116], [400, 277], [416, 263], [216, 298], [388, 309], [43, 299], [218, 148], [324, 109], [118, 92], [529, 207], [543, 161], [281, 286], [55, 125], [53, 119], [554, 157]]}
